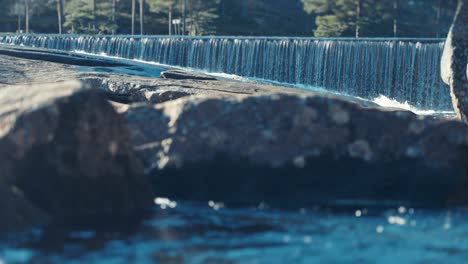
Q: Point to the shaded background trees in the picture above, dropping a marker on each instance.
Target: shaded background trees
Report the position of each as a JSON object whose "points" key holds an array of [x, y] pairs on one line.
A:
{"points": [[321, 18], [381, 18]]}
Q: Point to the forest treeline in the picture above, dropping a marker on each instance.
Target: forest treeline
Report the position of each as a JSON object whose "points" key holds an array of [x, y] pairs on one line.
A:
{"points": [[320, 18]]}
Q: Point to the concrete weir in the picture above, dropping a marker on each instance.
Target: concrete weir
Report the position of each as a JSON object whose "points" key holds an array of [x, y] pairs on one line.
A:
{"points": [[406, 70]]}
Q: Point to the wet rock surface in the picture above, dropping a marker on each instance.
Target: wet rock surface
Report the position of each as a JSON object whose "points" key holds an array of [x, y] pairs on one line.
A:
{"points": [[65, 152]]}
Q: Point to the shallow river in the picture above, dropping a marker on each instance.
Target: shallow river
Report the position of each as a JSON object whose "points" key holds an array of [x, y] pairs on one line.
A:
{"points": [[215, 233]]}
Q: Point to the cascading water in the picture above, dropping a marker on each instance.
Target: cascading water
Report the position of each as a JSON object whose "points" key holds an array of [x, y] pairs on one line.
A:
{"points": [[403, 69]]}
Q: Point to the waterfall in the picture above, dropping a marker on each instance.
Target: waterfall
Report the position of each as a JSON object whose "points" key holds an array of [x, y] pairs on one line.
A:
{"points": [[407, 70]]}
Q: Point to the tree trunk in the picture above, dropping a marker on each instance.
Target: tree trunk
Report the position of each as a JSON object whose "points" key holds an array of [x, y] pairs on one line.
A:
{"points": [[60, 15], [170, 20], [438, 16], [358, 17], [133, 16], [94, 14], [141, 16], [396, 17], [455, 59], [27, 16], [113, 16], [19, 23], [184, 17]]}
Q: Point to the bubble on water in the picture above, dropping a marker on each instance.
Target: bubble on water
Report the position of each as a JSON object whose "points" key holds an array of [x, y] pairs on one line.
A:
{"points": [[262, 206], [307, 239], [402, 210], [411, 211], [216, 206], [380, 229], [448, 221], [358, 213], [413, 223], [396, 220], [165, 203], [447, 226], [286, 239]]}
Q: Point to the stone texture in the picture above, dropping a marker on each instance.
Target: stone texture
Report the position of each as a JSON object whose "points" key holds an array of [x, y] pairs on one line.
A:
{"points": [[67, 151], [298, 149], [455, 59]]}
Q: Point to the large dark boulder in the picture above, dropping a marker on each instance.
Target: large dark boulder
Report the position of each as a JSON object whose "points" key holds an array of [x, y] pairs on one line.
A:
{"points": [[66, 152], [293, 149], [455, 59]]}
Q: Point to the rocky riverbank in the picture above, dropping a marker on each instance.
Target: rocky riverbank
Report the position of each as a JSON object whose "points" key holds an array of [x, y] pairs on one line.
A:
{"points": [[99, 144]]}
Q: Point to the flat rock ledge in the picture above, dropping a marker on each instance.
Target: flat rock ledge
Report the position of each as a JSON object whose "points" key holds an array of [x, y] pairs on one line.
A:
{"points": [[294, 150], [65, 153], [186, 75]]}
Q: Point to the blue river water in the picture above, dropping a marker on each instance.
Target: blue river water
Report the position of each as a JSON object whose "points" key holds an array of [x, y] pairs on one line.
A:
{"points": [[216, 233]]}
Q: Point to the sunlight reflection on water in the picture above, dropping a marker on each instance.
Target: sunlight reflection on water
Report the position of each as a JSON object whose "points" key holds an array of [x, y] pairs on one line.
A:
{"points": [[205, 233]]}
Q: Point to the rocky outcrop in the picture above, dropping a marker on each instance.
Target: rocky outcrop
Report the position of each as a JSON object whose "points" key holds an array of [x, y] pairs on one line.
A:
{"points": [[299, 150], [454, 61], [64, 151], [125, 91]]}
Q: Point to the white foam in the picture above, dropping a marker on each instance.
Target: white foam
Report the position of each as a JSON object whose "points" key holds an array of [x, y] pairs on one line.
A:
{"points": [[226, 76], [391, 103]]}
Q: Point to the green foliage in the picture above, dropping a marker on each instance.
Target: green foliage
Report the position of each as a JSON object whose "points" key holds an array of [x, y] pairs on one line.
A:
{"points": [[164, 6], [326, 18], [415, 18], [79, 17], [341, 17], [330, 26], [104, 18], [202, 17], [318, 6]]}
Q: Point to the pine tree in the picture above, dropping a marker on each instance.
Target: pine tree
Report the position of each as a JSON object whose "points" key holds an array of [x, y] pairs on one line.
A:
{"points": [[142, 2], [26, 9], [114, 15], [60, 15], [348, 17], [133, 16], [82, 17], [203, 16], [167, 7], [17, 9]]}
